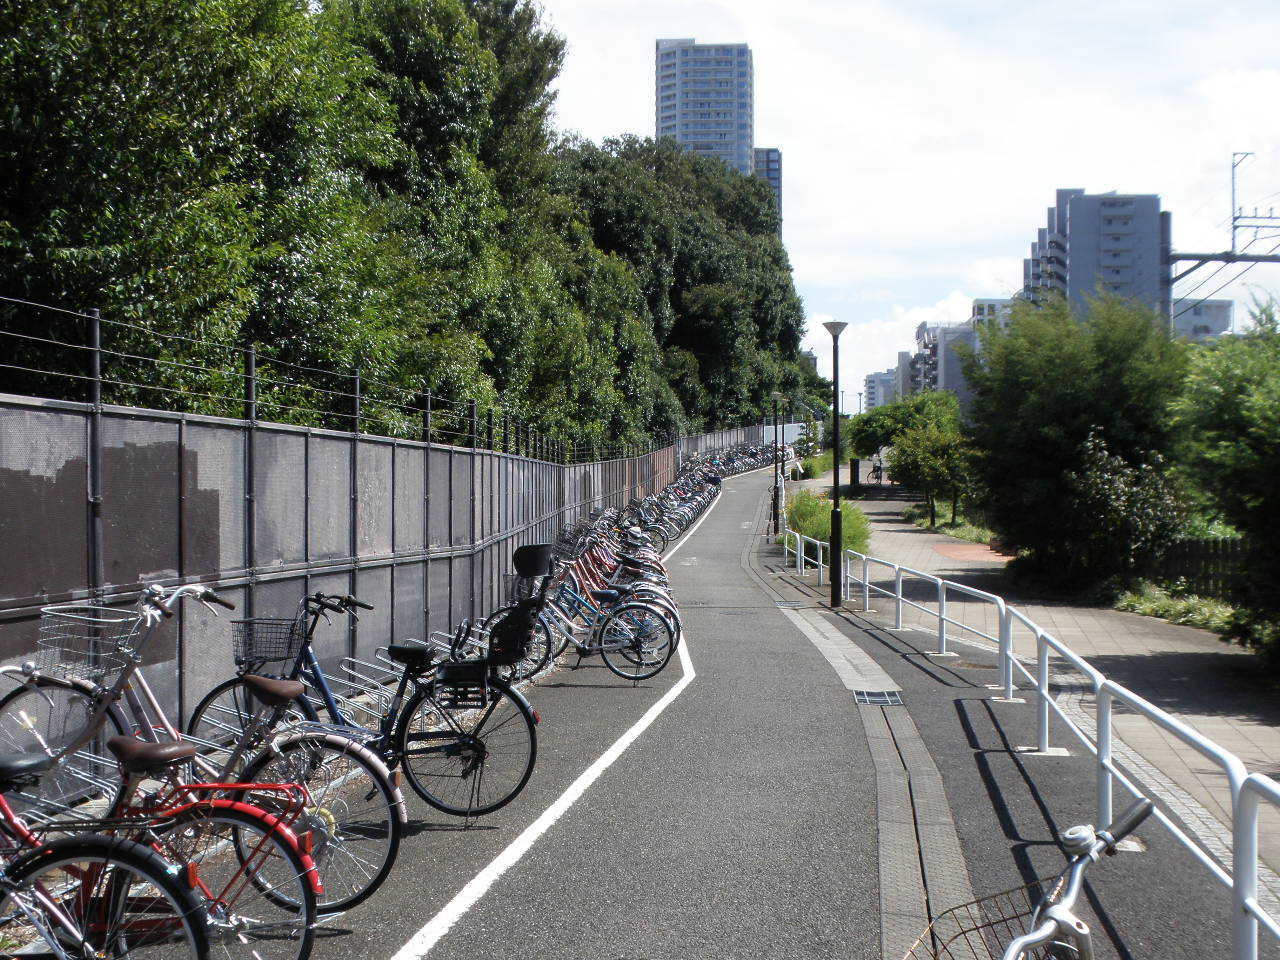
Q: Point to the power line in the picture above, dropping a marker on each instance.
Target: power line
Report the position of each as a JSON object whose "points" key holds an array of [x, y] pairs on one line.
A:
{"points": [[1222, 287]]}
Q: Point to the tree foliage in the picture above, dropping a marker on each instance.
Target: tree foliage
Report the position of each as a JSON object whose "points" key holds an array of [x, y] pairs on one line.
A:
{"points": [[1063, 403], [1230, 421], [373, 183], [878, 428]]}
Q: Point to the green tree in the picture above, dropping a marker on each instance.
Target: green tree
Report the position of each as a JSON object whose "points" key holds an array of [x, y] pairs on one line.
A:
{"points": [[932, 459], [1230, 418], [1043, 387], [872, 431]]}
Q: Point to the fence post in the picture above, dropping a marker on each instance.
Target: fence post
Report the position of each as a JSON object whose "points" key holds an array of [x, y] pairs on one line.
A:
{"points": [[800, 553], [1042, 682], [506, 432], [897, 597], [356, 404], [488, 419], [96, 562], [822, 564], [942, 617], [1104, 756], [250, 474], [866, 583], [1244, 874], [354, 576], [1006, 651]]}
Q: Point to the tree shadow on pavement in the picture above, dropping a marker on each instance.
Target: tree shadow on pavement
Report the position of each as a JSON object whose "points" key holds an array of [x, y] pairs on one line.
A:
{"points": [[1206, 684]]}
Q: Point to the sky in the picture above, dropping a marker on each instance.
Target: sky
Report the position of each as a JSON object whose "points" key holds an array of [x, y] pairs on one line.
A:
{"points": [[922, 140]]}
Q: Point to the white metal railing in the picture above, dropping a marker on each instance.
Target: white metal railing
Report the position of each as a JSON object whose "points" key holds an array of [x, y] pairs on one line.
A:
{"points": [[1247, 790]]}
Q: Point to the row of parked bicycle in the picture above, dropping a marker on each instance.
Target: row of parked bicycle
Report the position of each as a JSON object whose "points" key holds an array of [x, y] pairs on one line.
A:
{"points": [[278, 805]]}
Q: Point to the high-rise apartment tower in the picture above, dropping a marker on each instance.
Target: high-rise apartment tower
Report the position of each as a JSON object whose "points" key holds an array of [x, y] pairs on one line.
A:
{"points": [[704, 97]]}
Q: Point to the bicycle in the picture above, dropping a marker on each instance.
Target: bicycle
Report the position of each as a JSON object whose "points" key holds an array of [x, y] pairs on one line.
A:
{"points": [[1023, 923], [88, 895], [253, 875], [464, 738]]}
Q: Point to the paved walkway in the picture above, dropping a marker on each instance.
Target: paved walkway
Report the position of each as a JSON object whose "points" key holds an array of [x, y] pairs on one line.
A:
{"points": [[1190, 673]]}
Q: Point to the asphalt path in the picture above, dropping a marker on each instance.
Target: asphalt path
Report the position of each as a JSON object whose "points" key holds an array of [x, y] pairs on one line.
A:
{"points": [[739, 823]]}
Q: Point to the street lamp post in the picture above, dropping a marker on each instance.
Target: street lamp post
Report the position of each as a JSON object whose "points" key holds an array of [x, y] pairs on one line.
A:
{"points": [[859, 401], [835, 328], [777, 467]]}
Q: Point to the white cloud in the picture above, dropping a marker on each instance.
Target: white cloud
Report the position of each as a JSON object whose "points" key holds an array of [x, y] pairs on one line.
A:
{"points": [[923, 139]]}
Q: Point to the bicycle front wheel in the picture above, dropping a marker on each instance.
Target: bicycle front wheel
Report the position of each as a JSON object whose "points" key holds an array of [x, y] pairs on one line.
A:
{"points": [[98, 896], [356, 816], [467, 762], [636, 641]]}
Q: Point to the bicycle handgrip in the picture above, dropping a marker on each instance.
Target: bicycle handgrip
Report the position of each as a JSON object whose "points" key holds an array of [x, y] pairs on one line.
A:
{"points": [[212, 597], [1129, 821], [320, 600], [357, 603]]}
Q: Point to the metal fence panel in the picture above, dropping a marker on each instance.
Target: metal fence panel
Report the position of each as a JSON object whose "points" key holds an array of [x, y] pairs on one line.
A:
{"points": [[373, 585], [409, 614], [439, 480], [328, 498], [459, 594], [332, 640], [206, 655], [439, 573], [43, 489], [139, 500], [460, 497], [409, 533], [213, 500], [279, 495], [374, 490]]}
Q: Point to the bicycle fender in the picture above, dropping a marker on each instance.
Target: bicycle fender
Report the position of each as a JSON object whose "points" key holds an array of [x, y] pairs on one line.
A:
{"points": [[517, 695], [274, 823]]}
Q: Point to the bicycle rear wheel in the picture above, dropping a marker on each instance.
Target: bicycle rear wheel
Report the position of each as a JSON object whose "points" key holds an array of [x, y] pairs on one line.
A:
{"points": [[471, 761], [100, 896], [356, 817], [636, 641]]}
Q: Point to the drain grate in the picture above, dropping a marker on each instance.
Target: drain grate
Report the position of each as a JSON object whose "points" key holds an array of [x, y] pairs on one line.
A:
{"points": [[879, 698], [790, 604]]}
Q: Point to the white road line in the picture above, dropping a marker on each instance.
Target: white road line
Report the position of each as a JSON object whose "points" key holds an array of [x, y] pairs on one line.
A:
{"points": [[421, 943]]}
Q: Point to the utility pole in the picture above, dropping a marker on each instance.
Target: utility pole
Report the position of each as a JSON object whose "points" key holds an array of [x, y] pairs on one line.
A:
{"points": [[1237, 158]]}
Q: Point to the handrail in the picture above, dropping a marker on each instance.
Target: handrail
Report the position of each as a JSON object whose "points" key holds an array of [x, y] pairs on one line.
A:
{"points": [[1247, 789]]}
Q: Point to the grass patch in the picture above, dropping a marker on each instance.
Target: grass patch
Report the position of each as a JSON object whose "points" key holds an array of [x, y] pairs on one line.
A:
{"points": [[819, 466], [1151, 600], [810, 515], [962, 529]]}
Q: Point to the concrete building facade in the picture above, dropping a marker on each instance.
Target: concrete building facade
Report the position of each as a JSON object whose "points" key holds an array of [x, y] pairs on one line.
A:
{"points": [[1201, 320], [767, 165], [704, 97], [1102, 242], [879, 388]]}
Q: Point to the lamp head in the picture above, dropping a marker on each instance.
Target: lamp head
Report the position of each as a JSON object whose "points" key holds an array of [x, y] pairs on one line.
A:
{"points": [[835, 327]]}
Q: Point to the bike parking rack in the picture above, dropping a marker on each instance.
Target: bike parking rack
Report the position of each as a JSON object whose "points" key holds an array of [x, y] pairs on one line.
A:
{"points": [[1247, 790]]}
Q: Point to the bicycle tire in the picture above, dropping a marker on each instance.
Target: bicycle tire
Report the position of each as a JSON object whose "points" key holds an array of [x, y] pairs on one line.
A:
{"points": [[460, 740], [347, 805], [277, 907], [636, 641], [131, 874]]}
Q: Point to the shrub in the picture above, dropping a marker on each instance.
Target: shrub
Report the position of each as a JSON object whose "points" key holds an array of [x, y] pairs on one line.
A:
{"points": [[809, 514]]}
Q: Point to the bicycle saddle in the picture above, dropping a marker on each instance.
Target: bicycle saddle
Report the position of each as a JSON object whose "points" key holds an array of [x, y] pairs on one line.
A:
{"points": [[411, 655], [605, 596], [274, 692], [19, 770], [141, 756]]}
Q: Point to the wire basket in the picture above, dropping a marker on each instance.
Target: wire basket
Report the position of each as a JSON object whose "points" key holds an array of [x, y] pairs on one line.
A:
{"points": [[267, 638], [981, 929], [86, 640]]}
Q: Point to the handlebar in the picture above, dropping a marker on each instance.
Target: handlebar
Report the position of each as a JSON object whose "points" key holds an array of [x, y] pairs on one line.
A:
{"points": [[210, 597], [337, 604], [1126, 823]]}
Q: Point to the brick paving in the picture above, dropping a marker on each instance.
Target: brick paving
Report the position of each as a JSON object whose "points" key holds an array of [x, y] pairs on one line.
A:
{"points": [[1190, 673]]}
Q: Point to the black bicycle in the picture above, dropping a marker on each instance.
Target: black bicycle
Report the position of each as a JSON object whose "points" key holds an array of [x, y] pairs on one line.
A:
{"points": [[465, 738]]}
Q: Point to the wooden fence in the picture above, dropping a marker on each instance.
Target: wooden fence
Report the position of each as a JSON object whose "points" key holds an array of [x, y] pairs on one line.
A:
{"points": [[1210, 568]]}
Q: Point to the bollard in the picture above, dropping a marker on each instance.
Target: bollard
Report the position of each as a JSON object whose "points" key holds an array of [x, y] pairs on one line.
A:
{"points": [[1006, 651], [1042, 681]]}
